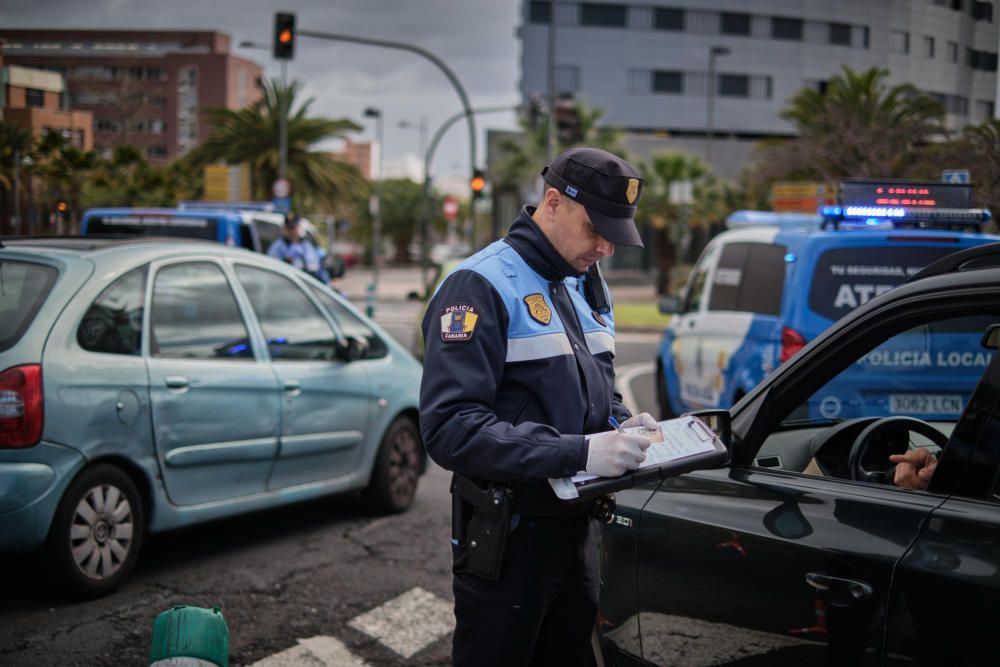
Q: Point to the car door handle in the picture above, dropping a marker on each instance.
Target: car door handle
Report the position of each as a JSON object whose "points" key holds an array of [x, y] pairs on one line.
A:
{"points": [[846, 589], [293, 387], [177, 382]]}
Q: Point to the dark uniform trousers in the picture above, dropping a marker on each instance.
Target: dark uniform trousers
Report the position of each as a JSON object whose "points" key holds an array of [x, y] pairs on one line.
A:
{"points": [[542, 609]]}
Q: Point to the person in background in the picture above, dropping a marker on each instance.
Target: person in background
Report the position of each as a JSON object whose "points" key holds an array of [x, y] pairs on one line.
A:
{"points": [[297, 251]]}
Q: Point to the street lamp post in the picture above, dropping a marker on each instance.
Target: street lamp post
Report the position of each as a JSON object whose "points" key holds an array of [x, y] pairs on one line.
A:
{"points": [[422, 128], [713, 53], [372, 112]]}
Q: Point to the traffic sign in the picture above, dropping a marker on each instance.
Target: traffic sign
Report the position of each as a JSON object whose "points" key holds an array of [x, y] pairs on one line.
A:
{"points": [[450, 208], [281, 188], [955, 176]]}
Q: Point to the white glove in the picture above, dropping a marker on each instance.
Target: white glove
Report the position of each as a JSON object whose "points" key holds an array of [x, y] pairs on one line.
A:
{"points": [[612, 453], [643, 419]]}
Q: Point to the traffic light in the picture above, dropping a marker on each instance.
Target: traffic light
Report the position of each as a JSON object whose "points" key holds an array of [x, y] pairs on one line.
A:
{"points": [[477, 183], [284, 35], [62, 206]]}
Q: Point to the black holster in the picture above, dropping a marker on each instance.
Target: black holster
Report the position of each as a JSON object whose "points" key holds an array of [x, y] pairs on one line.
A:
{"points": [[480, 522]]}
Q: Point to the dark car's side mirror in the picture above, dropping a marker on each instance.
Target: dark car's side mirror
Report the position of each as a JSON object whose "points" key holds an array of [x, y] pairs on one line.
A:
{"points": [[991, 339], [670, 305], [351, 348], [721, 423]]}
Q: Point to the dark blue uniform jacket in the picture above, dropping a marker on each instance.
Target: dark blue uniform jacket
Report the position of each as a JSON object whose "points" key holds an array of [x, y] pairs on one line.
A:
{"points": [[517, 368]]}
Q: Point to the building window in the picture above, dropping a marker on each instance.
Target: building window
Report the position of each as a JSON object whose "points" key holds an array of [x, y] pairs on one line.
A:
{"points": [[608, 16], [734, 85], [734, 24], [984, 109], [840, 34], [953, 52], [666, 81], [928, 47], [78, 138], [539, 12], [982, 11], [33, 97], [665, 18], [567, 78], [981, 60], [955, 105], [956, 5], [782, 28], [899, 41], [156, 152], [107, 125]]}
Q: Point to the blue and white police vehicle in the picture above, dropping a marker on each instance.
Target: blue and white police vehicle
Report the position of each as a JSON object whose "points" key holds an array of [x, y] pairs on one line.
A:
{"points": [[773, 281]]}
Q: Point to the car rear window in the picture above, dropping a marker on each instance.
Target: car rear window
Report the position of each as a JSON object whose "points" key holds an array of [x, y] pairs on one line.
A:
{"points": [[23, 288], [846, 278], [154, 225]]}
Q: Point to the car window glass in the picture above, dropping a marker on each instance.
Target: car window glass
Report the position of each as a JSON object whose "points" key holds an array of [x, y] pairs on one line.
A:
{"points": [[267, 231], [846, 278], [351, 324], [295, 329], [697, 284], [23, 288], [194, 315], [159, 224], [749, 278], [927, 372], [246, 237], [113, 323]]}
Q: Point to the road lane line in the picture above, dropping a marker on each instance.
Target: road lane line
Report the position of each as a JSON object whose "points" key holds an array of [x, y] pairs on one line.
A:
{"points": [[623, 378], [408, 623], [318, 651]]}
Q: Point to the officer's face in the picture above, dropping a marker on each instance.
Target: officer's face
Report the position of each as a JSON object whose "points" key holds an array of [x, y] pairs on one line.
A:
{"points": [[575, 237]]}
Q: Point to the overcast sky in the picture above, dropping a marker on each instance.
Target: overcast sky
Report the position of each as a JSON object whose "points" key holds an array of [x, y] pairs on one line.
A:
{"points": [[476, 38]]}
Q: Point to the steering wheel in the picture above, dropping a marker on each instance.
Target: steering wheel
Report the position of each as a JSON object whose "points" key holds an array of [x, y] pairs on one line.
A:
{"points": [[898, 426]]}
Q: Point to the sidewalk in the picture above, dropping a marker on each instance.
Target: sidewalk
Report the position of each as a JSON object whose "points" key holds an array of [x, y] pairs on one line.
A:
{"points": [[396, 283]]}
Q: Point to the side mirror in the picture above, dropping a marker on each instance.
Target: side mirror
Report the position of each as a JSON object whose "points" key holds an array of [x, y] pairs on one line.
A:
{"points": [[351, 348], [670, 305], [721, 423], [991, 339]]}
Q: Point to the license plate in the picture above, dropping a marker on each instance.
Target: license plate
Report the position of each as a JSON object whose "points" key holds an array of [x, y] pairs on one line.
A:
{"points": [[927, 404]]}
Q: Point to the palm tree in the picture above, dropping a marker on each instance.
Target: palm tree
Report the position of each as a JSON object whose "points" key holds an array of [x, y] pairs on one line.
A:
{"points": [[251, 135], [525, 156], [858, 126], [15, 144], [127, 179]]}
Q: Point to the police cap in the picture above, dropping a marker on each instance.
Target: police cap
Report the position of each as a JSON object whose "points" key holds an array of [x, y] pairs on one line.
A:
{"points": [[607, 186]]}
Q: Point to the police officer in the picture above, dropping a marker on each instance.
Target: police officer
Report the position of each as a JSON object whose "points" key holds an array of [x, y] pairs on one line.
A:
{"points": [[293, 249], [518, 367]]}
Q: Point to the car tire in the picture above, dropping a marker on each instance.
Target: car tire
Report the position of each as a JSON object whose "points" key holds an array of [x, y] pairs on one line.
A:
{"points": [[397, 470], [97, 531], [663, 395]]}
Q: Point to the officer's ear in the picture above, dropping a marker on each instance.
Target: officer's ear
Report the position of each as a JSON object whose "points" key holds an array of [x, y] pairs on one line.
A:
{"points": [[551, 200]]}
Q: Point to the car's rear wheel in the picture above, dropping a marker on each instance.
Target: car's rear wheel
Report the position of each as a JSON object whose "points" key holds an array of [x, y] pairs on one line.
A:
{"points": [[397, 469], [97, 531]]}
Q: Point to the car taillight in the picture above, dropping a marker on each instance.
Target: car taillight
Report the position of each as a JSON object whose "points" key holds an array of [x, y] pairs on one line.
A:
{"points": [[20, 406], [791, 342]]}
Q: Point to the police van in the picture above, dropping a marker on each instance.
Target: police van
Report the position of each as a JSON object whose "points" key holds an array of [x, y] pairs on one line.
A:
{"points": [[773, 281]]}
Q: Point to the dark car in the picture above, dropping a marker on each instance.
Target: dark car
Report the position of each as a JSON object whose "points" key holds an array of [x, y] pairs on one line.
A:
{"points": [[802, 551]]}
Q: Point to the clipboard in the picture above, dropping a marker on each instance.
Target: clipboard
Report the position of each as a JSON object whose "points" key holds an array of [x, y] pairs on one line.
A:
{"points": [[685, 444]]}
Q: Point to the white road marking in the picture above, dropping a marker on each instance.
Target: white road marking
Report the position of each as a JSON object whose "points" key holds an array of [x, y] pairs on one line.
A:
{"points": [[638, 337], [408, 623], [313, 652], [623, 378]]}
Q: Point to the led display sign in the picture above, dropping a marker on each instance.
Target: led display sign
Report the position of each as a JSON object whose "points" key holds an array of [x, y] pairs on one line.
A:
{"points": [[926, 195]]}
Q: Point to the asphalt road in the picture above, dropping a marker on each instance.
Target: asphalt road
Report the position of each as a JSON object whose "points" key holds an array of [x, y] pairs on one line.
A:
{"points": [[323, 583]]}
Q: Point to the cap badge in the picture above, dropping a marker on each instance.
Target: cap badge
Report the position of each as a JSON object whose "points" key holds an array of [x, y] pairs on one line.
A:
{"points": [[458, 322], [538, 309], [571, 191], [633, 190]]}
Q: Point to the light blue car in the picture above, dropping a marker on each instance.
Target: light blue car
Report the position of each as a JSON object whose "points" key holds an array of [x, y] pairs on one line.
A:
{"points": [[147, 385]]}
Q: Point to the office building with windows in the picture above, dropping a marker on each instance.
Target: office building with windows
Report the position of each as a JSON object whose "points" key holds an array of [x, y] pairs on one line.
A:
{"points": [[147, 88], [710, 77]]}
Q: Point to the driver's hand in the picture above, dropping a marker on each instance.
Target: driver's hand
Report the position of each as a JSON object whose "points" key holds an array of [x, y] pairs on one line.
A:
{"points": [[914, 469]]}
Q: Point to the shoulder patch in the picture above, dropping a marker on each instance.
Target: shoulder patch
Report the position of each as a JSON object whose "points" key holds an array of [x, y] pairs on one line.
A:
{"points": [[537, 308], [458, 322]]}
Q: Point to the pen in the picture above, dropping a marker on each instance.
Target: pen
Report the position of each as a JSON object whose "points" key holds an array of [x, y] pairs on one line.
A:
{"points": [[614, 422]]}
